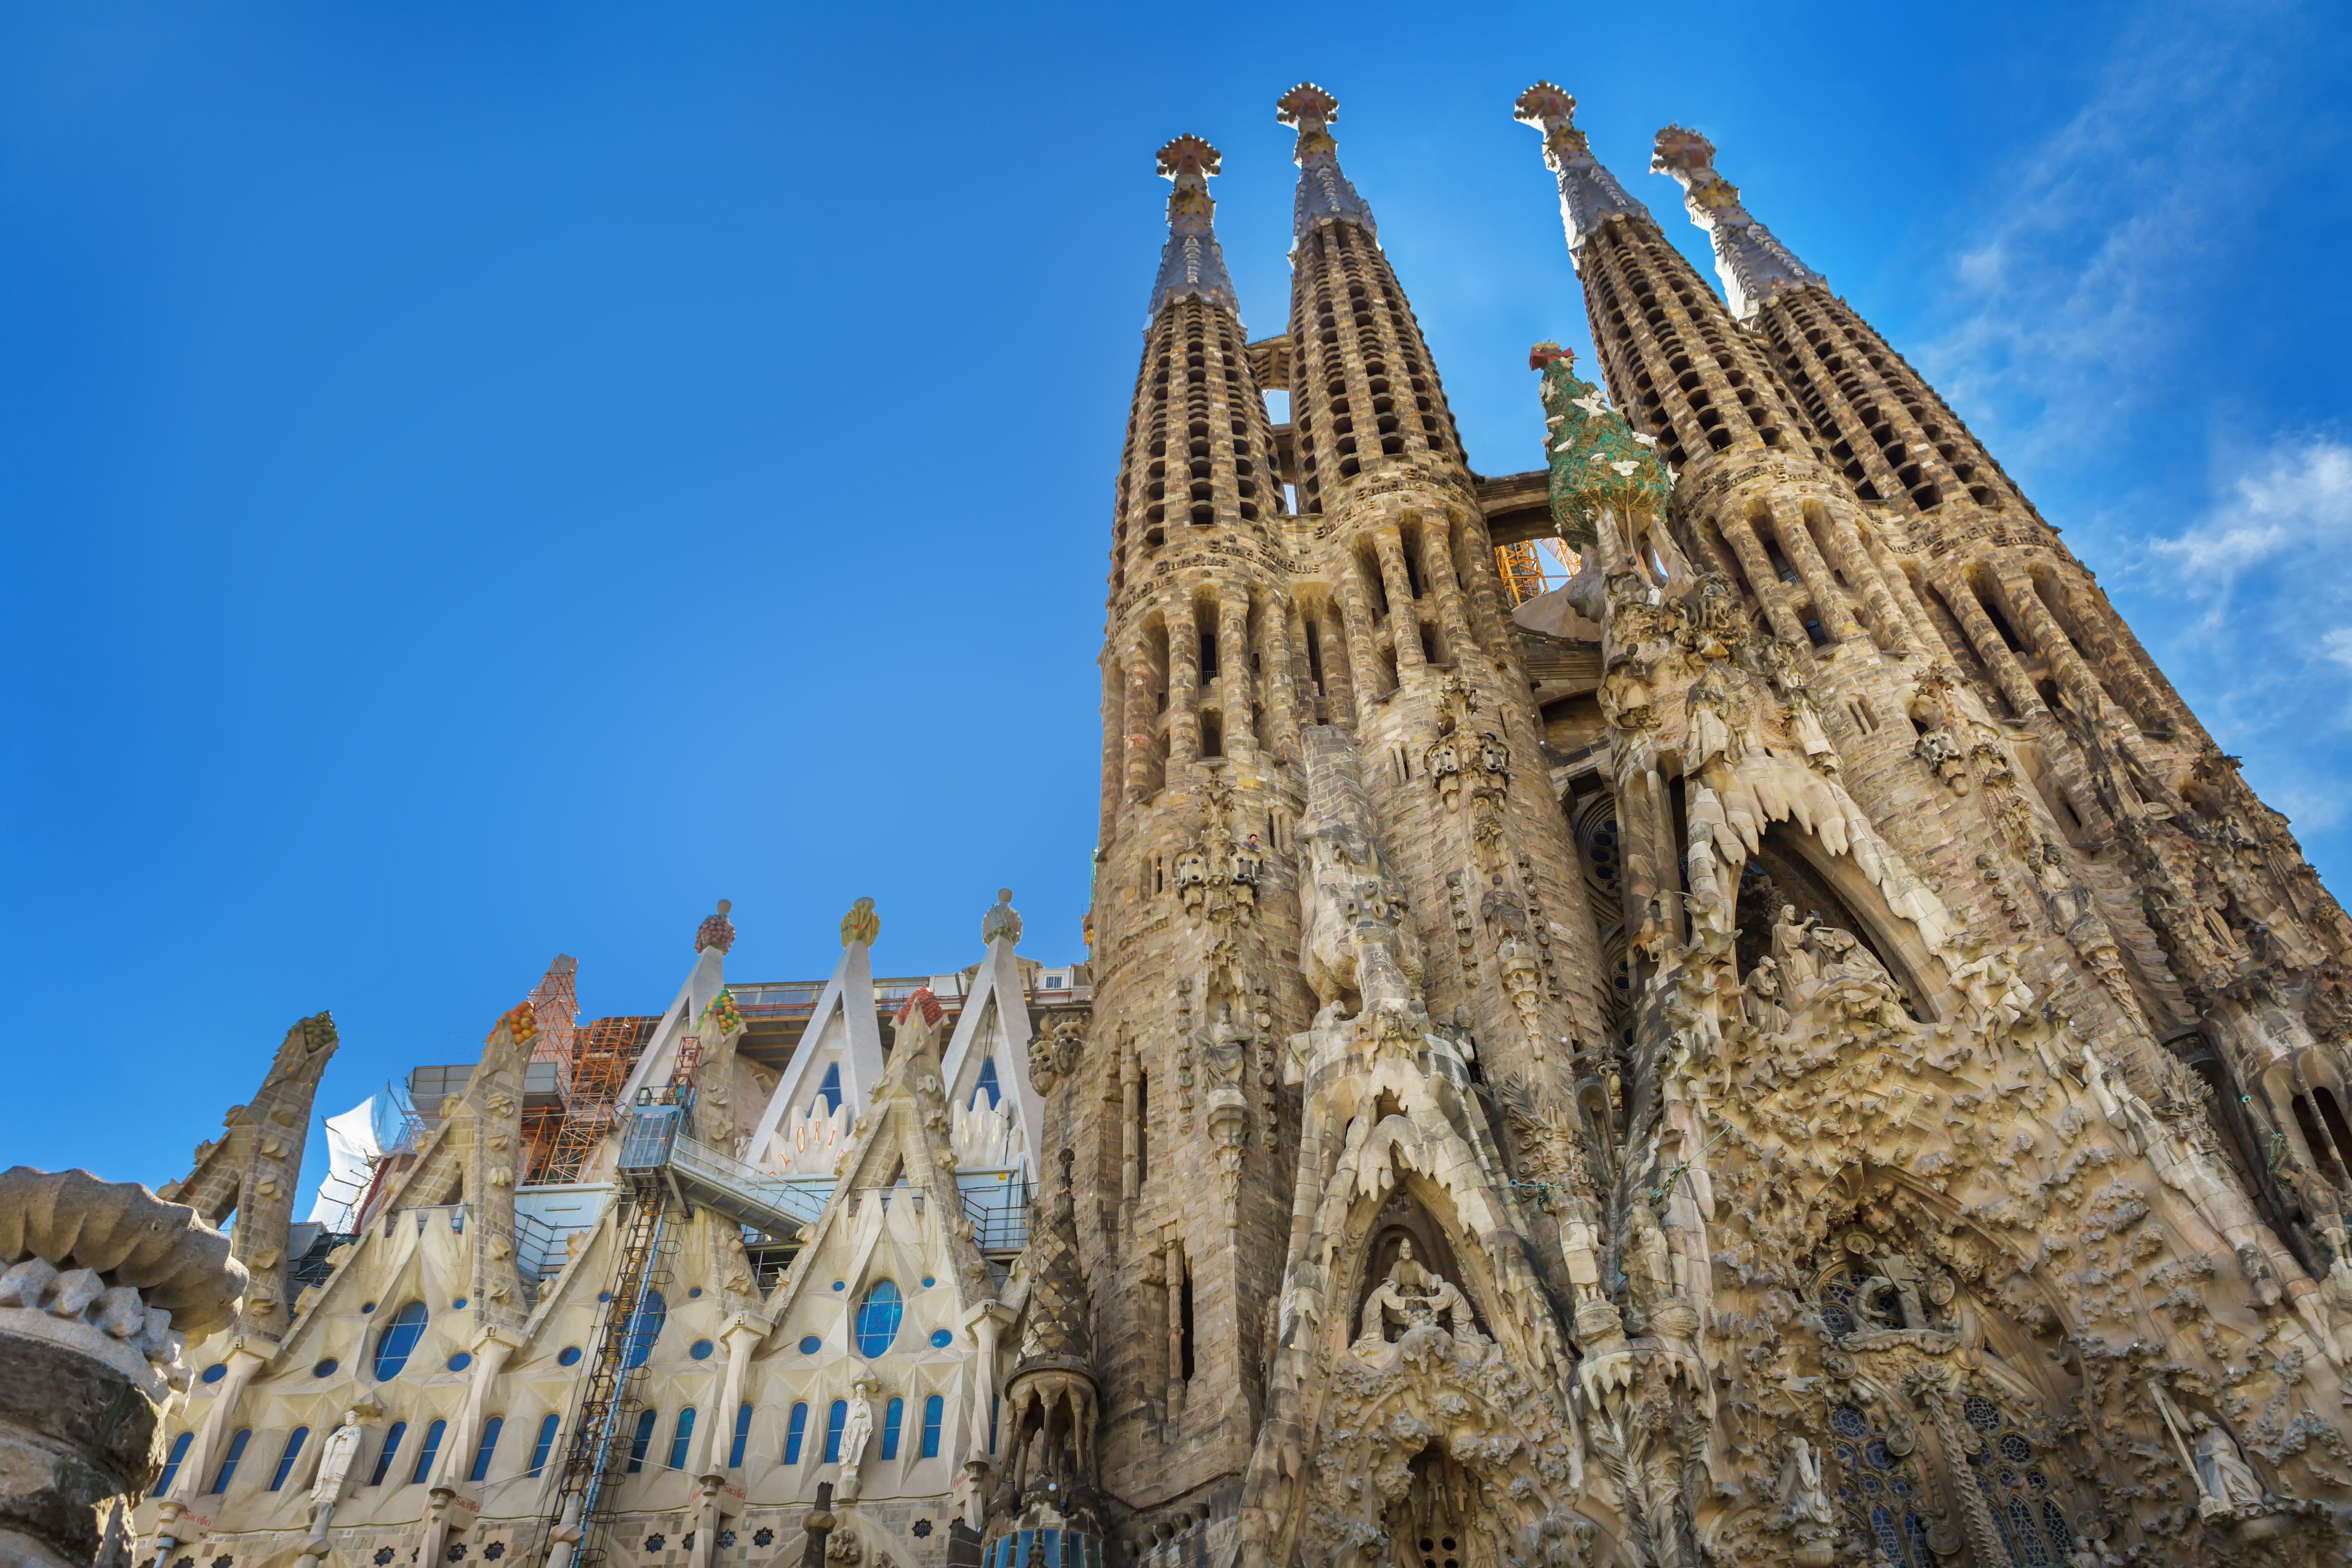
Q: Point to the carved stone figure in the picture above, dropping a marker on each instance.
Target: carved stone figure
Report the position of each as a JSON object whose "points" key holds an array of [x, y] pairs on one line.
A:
{"points": [[1791, 954], [2222, 1473], [335, 1457], [1412, 1296]]}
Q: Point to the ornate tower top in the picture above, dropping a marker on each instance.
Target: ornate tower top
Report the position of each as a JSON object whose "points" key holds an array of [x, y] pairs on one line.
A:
{"points": [[1002, 920], [860, 924], [1752, 264], [1192, 265], [1589, 194], [717, 931], [1323, 194]]}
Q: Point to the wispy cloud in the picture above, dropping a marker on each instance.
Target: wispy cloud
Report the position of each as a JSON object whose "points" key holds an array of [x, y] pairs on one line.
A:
{"points": [[2288, 510], [2073, 286], [2269, 661]]}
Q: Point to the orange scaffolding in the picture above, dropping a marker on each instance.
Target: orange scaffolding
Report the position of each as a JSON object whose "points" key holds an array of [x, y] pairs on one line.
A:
{"points": [[596, 1065], [1524, 573]]}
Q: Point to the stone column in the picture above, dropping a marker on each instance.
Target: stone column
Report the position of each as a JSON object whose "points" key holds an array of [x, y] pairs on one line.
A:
{"points": [[2007, 673], [490, 1353], [1879, 607], [1829, 601], [2050, 639], [986, 1323], [1114, 747], [1175, 1414], [1445, 587], [1281, 680], [1337, 683], [1142, 722], [99, 1283], [741, 1333], [1183, 684], [1762, 580], [1356, 613], [1235, 684], [1405, 610]]}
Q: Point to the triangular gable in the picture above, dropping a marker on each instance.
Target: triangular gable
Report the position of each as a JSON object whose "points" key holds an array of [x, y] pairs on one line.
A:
{"points": [[996, 1026], [794, 1134], [899, 1139], [704, 983]]}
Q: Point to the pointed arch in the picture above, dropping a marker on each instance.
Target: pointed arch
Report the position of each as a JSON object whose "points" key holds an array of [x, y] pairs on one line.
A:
{"points": [[831, 1079]]}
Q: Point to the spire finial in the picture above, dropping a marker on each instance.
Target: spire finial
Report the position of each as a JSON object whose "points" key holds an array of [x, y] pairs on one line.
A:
{"points": [[1323, 194], [1753, 264], [1192, 265], [1589, 194]]}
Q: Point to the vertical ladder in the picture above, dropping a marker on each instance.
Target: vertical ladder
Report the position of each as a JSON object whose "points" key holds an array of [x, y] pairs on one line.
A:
{"points": [[579, 1514]]}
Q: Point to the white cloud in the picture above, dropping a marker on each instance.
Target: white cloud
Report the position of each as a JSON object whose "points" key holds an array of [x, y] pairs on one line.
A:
{"points": [[2073, 288], [2292, 501], [2337, 646]]}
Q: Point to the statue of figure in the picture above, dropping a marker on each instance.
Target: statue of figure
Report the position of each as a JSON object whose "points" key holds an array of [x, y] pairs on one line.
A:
{"points": [[1710, 734], [1227, 1046], [2222, 1473], [1247, 862], [335, 1457], [1804, 1499], [1763, 998], [1648, 1260], [1412, 1296], [859, 1427], [1789, 952], [1990, 981]]}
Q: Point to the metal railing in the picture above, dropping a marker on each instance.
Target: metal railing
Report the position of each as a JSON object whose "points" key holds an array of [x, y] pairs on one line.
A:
{"points": [[997, 1203]]}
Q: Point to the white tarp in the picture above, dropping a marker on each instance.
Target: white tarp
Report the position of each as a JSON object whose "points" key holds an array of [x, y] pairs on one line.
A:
{"points": [[350, 1152]]}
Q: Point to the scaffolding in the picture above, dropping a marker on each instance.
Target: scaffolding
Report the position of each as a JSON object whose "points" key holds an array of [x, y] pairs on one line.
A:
{"points": [[561, 1138]]}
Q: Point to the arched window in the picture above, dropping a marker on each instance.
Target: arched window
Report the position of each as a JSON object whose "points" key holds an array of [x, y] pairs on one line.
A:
{"points": [[227, 1471], [294, 1440], [172, 1465], [830, 1089], [681, 1438], [742, 1436], [933, 1408], [652, 1313], [834, 1420], [794, 1430], [396, 1339], [2009, 1471], [987, 1085], [877, 1319], [543, 1445], [392, 1437], [1881, 1490], [483, 1449], [427, 1454], [894, 1416], [643, 1440]]}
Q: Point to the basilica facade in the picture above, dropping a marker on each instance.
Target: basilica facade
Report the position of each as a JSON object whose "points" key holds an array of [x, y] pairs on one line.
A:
{"points": [[1781, 1040]]}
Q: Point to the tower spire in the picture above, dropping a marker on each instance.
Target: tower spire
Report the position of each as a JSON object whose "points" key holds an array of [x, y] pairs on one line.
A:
{"points": [[1323, 194], [1192, 265], [1753, 264], [1589, 194]]}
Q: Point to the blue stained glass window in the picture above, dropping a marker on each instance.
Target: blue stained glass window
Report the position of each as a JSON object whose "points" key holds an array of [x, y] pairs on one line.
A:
{"points": [[643, 1439], [227, 1471], [811, 1344], [485, 1449], [994, 1401], [987, 1085], [933, 1408], [545, 1443], [1049, 1547], [461, 1360], [742, 1436], [941, 1339], [427, 1454], [392, 1437], [894, 1416], [877, 1319], [172, 1465], [834, 1420], [830, 1089], [568, 1357], [700, 1349], [294, 1441], [215, 1372], [681, 1438], [1848, 1422], [646, 1328], [796, 1429], [324, 1369], [396, 1339]]}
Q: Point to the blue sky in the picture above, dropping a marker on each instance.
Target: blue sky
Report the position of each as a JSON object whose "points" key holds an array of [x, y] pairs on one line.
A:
{"points": [[482, 482]]}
